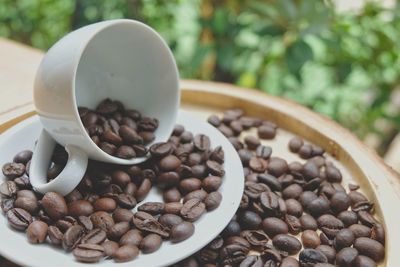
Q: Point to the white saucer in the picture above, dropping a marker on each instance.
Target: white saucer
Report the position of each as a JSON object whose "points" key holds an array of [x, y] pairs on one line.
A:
{"points": [[15, 247]]}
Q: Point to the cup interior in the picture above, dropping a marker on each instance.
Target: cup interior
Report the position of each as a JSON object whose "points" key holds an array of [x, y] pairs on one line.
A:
{"points": [[130, 62]]}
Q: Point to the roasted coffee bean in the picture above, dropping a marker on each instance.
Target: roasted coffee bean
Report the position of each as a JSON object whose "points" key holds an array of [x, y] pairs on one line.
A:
{"points": [[37, 232], [173, 208], [252, 261], [325, 240], [72, 237], [378, 233], [122, 215], [266, 132], [107, 106], [108, 148], [252, 142], [95, 236], [132, 237], [89, 253], [146, 222], [340, 201], [333, 174], [272, 204], [55, 206], [118, 230], [289, 262], [65, 223], [277, 166], [310, 257], [310, 170], [153, 208], [271, 181], [328, 251], [110, 247], [147, 136], [13, 170], [308, 222], [310, 239], [129, 135], [213, 200], [346, 257], [168, 179], [7, 204], [274, 226], [170, 220], [249, 220], [105, 204], [366, 218], [348, 217], [202, 142], [55, 235], [199, 194], [287, 243], [29, 204], [102, 220], [344, 238], [214, 120], [232, 229], [363, 261], [172, 195], [110, 137], [292, 191], [211, 183], [80, 208], [23, 157], [318, 206], [85, 222], [181, 232], [330, 225], [161, 149], [23, 182], [256, 238], [294, 207], [189, 185], [258, 164], [233, 254], [370, 248], [293, 223], [150, 243], [306, 197], [273, 256], [215, 168], [19, 219], [126, 253], [169, 163], [8, 189], [124, 201], [253, 190], [143, 190], [295, 144], [192, 210]]}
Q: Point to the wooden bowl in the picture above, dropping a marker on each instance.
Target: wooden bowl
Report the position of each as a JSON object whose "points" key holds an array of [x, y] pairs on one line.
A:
{"points": [[358, 163]]}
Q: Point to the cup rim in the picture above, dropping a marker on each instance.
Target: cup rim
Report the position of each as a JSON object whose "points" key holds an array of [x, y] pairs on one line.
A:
{"points": [[106, 24]]}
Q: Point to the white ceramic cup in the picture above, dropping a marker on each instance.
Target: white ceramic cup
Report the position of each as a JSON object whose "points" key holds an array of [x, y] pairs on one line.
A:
{"points": [[121, 59]]}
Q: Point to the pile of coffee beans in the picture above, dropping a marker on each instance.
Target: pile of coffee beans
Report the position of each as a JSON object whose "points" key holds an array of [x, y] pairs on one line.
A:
{"points": [[96, 221], [292, 213], [120, 132]]}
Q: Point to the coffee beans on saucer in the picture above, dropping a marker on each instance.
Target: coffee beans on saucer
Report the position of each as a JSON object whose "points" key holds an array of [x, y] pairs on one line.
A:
{"points": [[292, 213], [96, 221], [120, 132]]}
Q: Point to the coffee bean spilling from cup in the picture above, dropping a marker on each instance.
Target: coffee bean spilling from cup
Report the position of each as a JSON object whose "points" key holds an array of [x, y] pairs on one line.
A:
{"points": [[96, 221], [291, 214], [120, 132]]}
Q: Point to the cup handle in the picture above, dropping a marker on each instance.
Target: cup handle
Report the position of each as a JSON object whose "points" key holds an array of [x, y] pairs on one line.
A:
{"points": [[69, 177]]}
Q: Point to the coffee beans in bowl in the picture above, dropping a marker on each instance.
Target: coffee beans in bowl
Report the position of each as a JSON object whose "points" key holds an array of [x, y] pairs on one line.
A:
{"points": [[295, 210], [120, 132], [106, 216]]}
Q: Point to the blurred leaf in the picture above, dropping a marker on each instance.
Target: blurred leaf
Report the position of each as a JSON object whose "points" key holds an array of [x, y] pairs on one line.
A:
{"points": [[297, 55]]}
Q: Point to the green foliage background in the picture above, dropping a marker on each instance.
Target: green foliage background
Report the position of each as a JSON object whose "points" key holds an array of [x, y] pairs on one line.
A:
{"points": [[343, 65]]}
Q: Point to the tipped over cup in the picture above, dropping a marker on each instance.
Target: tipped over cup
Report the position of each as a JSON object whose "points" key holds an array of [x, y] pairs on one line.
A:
{"points": [[123, 60]]}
